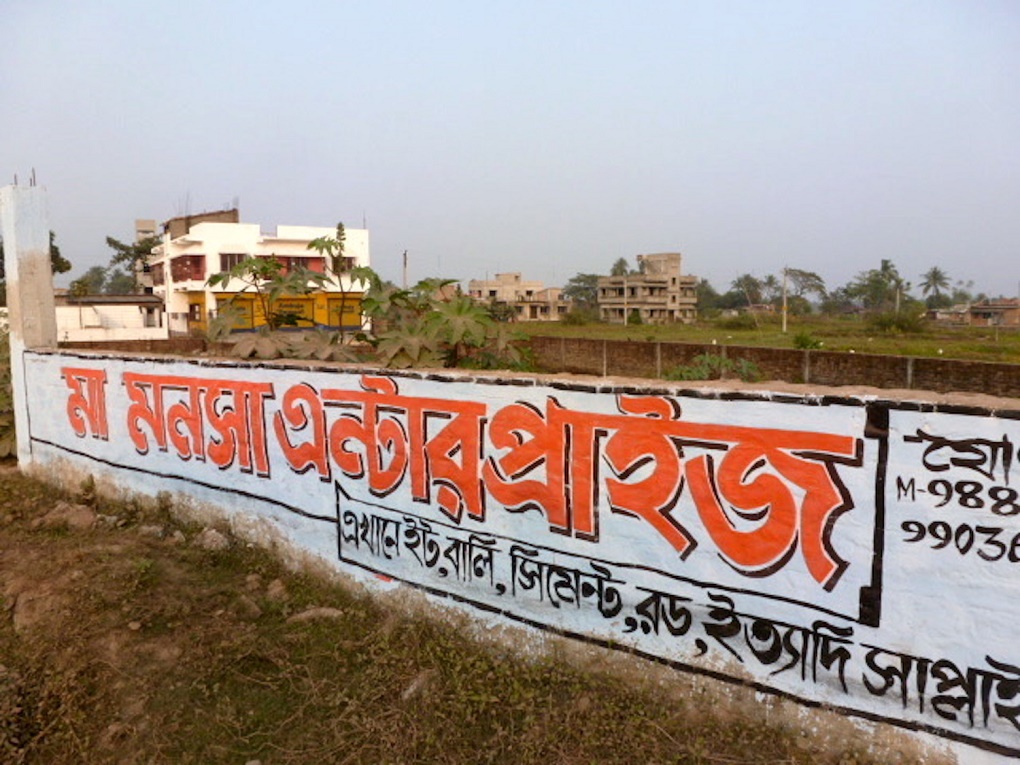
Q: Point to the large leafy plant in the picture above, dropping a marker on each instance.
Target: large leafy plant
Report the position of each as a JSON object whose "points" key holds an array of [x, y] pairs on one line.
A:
{"points": [[268, 282], [431, 324], [266, 279]]}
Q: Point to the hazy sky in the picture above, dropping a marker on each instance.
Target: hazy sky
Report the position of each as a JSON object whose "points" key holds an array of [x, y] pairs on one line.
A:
{"points": [[544, 137]]}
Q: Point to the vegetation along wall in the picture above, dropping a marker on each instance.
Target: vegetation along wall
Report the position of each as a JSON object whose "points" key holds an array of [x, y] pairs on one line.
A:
{"points": [[850, 552], [655, 359]]}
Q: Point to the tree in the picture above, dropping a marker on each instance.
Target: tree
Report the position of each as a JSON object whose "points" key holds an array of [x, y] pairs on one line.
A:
{"points": [[120, 282], [583, 291], [92, 282], [771, 289], [962, 292], [750, 287], [838, 301], [802, 283], [130, 259], [933, 282], [620, 268], [58, 263], [878, 289], [708, 298]]}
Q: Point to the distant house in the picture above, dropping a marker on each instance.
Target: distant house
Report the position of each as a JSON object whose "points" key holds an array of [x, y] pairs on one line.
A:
{"points": [[1000, 312], [98, 318], [956, 315], [192, 252], [530, 300], [660, 294]]}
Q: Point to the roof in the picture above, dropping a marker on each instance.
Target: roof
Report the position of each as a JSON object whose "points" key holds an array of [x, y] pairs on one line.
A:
{"points": [[133, 299]]}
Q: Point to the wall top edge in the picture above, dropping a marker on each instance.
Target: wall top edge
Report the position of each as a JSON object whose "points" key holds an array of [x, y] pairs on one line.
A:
{"points": [[777, 391]]}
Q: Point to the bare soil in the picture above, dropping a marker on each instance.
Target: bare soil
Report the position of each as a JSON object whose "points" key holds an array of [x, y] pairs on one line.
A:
{"points": [[129, 637]]}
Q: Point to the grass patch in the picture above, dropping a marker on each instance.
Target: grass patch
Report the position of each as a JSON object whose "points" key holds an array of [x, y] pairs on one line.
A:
{"points": [[825, 333]]}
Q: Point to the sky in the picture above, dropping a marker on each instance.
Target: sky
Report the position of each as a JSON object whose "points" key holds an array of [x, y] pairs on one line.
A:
{"points": [[547, 137]]}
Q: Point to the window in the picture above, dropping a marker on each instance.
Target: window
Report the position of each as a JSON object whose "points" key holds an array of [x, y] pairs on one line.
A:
{"points": [[185, 267], [230, 259]]}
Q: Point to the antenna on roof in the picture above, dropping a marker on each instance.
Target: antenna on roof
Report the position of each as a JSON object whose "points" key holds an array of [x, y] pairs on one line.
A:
{"points": [[32, 181], [364, 220]]}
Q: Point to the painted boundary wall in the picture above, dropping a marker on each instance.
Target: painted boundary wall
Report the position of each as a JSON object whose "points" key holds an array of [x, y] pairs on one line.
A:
{"points": [[848, 552], [654, 359]]}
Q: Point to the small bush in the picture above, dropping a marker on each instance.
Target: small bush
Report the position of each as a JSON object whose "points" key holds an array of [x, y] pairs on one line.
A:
{"points": [[741, 321], [578, 317], [708, 366], [896, 322], [806, 341]]}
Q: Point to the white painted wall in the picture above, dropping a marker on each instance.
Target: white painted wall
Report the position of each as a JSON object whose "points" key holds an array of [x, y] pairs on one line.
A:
{"points": [[856, 553], [105, 323]]}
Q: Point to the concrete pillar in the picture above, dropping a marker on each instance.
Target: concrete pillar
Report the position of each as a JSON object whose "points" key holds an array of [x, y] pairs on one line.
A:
{"points": [[26, 234], [24, 225]]}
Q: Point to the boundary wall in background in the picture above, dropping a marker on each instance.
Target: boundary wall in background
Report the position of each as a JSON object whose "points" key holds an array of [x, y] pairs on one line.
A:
{"points": [[654, 359], [849, 552]]}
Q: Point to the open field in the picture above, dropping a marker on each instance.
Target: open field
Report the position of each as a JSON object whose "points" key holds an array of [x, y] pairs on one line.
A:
{"points": [[851, 333], [129, 637]]}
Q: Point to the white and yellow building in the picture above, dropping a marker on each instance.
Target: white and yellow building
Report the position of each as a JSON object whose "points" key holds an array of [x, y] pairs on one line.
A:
{"points": [[181, 266]]}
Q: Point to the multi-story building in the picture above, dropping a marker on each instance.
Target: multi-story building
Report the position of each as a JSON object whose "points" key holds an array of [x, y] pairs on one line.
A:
{"points": [[530, 300], [659, 294], [193, 252]]}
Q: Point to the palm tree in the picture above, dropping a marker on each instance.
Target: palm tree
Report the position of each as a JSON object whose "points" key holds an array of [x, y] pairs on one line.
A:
{"points": [[934, 280]]}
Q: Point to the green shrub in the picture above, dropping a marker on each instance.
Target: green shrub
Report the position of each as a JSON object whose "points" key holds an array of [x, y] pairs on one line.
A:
{"points": [[578, 317], [709, 366], [741, 321], [896, 322], [806, 341]]}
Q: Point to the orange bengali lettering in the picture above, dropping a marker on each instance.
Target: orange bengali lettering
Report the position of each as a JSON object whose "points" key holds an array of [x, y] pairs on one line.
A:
{"points": [[223, 420], [86, 405], [386, 436]]}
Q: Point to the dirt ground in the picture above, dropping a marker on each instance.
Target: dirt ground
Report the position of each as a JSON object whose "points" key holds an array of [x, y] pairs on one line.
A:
{"points": [[129, 637]]}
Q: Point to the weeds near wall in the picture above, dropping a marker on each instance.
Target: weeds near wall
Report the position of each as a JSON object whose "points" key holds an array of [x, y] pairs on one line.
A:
{"points": [[709, 366], [8, 437]]}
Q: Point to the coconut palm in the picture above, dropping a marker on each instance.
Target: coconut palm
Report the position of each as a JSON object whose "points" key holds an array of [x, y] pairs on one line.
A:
{"points": [[934, 281]]}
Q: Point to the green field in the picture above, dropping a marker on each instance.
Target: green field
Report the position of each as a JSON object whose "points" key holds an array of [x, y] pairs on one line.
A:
{"points": [[829, 334]]}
